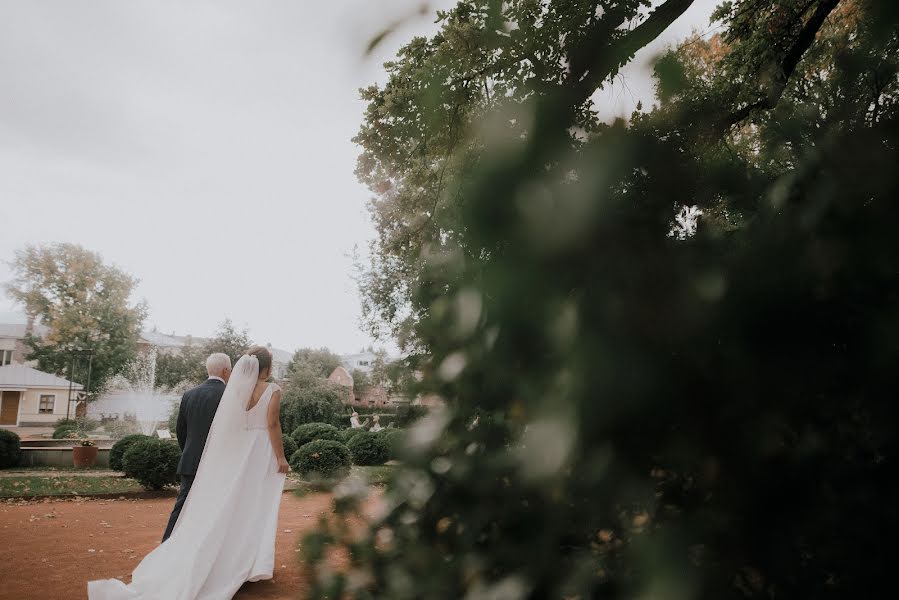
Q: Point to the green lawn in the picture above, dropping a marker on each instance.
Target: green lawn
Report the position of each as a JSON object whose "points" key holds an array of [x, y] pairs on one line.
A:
{"points": [[64, 485], [375, 475], [46, 470], [67, 482], [379, 475]]}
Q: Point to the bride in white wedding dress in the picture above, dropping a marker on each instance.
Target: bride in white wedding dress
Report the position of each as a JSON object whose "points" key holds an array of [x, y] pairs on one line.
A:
{"points": [[225, 534]]}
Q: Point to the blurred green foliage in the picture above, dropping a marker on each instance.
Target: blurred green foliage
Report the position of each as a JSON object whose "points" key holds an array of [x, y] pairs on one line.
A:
{"points": [[667, 346]]}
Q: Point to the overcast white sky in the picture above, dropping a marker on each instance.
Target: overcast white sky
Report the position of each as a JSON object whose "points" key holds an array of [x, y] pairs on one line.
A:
{"points": [[204, 147]]}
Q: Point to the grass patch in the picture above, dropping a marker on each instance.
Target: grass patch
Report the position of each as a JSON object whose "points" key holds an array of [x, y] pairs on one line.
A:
{"points": [[64, 485], [48, 470], [378, 475]]}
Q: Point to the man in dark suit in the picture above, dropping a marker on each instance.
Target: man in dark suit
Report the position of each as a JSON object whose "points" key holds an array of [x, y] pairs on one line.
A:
{"points": [[195, 416]]}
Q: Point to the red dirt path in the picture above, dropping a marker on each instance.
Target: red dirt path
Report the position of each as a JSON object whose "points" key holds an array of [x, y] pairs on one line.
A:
{"points": [[50, 549]]}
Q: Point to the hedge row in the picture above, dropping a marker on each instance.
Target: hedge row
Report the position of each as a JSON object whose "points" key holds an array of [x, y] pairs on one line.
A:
{"points": [[317, 451], [326, 453]]}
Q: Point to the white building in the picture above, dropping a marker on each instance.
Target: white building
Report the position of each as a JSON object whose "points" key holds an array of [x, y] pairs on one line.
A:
{"points": [[32, 397], [363, 361], [280, 361], [12, 340]]}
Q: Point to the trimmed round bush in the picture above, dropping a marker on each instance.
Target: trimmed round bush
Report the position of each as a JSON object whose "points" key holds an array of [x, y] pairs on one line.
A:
{"points": [[117, 452], [322, 460], [64, 431], [369, 449], [395, 439], [10, 449], [290, 446], [347, 434], [153, 463], [314, 431]]}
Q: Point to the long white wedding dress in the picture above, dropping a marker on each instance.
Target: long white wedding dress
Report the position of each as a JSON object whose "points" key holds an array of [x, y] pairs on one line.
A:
{"points": [[225, 534]]}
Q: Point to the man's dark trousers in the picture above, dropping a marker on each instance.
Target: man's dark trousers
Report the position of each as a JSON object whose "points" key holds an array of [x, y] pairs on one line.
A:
{"points": [[186, 482], [195, 417]]}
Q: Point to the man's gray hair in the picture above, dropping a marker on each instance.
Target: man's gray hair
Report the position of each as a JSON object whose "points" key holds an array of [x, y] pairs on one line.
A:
{"points": [[218, 362]]}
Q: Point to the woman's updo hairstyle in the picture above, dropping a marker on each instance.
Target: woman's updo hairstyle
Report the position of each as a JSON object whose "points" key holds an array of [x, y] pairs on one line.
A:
{"points": [[263, 355]]}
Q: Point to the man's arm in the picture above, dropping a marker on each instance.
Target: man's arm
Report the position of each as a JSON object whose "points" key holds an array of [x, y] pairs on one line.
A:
{"points": [[181, 428]]}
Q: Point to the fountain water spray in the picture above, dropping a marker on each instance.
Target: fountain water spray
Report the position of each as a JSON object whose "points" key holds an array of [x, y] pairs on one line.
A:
{"points": [[132, 395]]}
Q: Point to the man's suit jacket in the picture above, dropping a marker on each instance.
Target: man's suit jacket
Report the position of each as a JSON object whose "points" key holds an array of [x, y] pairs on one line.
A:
{"points": [[195, 416]]}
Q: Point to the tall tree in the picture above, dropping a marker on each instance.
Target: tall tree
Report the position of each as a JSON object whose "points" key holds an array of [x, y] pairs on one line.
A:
{"points": [[86, 306], [636, 414], [424, 130]]}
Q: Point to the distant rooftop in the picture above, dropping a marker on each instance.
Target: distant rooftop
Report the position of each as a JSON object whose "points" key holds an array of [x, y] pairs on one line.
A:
{"points": [[163, 340], [21, 376]]}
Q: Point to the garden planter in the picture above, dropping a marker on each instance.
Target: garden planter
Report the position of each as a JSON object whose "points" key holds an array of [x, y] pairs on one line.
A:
{"points": [[84, 456]]}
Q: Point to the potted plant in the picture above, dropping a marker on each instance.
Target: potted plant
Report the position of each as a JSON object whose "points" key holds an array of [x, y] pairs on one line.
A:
{"points": [[84, 454]]}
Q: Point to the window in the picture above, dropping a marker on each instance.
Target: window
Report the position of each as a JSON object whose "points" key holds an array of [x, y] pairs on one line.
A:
{"points": [[47, 403], [5, 357], [363, 363]]}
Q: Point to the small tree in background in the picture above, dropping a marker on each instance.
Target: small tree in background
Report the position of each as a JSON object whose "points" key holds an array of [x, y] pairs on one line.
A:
{"points": [[312, 363], [312, 401], [187, 367], [228, 340], [86, 306], [184, 368], [361, 381]]}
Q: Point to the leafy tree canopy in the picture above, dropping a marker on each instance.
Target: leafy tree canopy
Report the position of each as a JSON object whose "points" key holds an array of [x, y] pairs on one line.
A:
{"points": [[187, 366], [474, 82], [630, 412], [86, 306], [312, 363]]}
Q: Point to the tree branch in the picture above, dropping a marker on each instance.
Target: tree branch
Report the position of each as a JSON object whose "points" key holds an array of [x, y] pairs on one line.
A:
{"points": [[787, 65], [586, 75]]}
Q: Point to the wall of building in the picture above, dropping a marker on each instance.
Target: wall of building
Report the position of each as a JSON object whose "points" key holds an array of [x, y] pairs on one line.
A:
{"points": [[29, 403], [16, 347]]}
